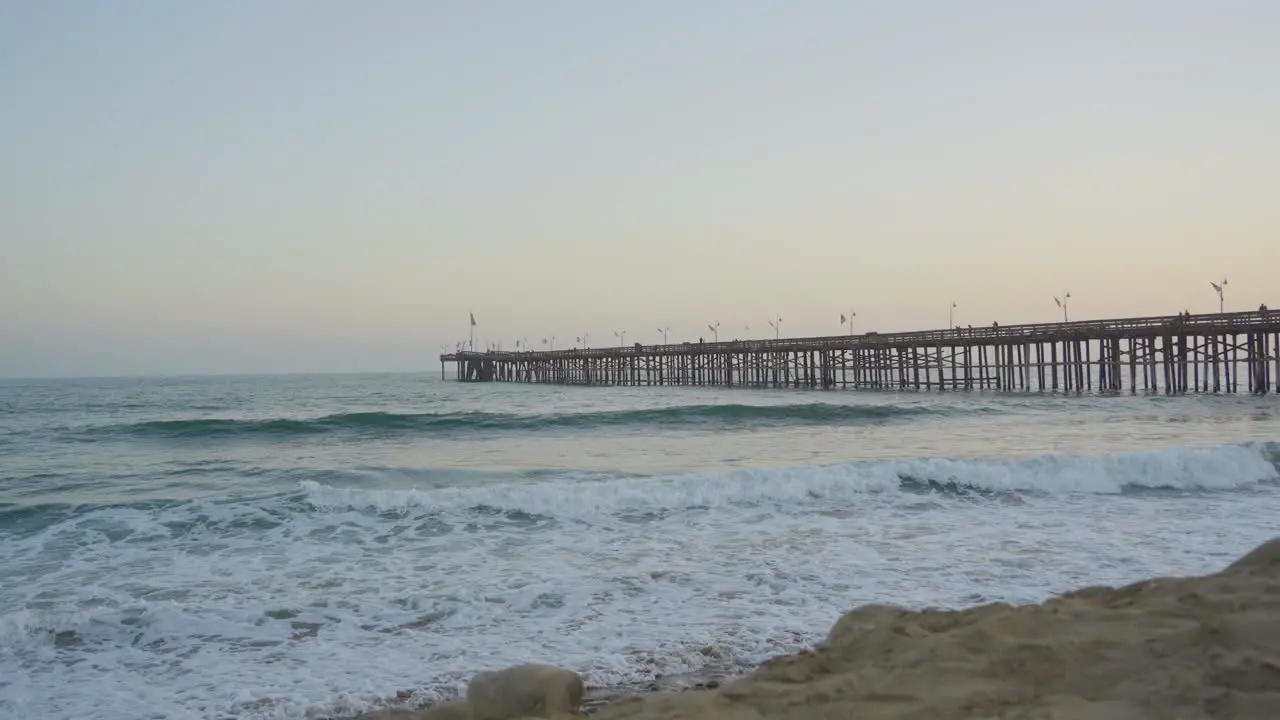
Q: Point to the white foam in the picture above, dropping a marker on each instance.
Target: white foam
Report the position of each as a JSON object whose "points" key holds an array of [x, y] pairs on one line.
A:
{"points": [[1211, 468], [178, 612]]}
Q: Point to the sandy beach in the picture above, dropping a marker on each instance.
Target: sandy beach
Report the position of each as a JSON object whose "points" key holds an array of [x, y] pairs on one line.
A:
{"points": [[1193, 647]]}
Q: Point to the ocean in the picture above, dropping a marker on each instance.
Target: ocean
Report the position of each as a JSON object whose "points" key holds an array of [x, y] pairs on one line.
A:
{"points": [[308, 546]]}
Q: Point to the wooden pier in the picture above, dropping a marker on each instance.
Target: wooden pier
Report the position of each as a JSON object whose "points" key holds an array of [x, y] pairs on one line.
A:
{"points": [[1215, 353]]}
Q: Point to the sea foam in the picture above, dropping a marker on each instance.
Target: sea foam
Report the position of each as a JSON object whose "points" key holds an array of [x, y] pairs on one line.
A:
{"points": [[327, 599]]}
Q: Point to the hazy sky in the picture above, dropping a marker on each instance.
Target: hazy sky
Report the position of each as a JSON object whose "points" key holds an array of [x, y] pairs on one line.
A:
{"points": [[330, 185]]}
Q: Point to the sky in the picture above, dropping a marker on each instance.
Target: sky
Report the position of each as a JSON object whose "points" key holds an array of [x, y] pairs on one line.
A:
{"points": [[323, 185]]}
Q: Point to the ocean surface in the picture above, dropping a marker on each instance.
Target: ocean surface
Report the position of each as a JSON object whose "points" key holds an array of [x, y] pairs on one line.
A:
{"points": [[301, 546]]}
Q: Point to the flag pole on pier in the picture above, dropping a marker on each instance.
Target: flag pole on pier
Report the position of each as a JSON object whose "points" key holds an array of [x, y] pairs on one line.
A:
{"points": [[1218, 288], [849, 320], [1062, 303]]}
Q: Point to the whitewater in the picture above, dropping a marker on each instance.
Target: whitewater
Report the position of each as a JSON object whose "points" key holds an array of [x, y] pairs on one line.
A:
{"points": [[309, 546]]}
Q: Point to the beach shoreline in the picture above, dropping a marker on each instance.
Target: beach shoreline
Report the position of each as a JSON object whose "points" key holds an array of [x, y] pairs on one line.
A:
{"points": [[709, 677], [1164, 647]]}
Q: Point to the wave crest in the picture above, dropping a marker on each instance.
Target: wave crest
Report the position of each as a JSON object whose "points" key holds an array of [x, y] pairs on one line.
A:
{"points": [[386, 423], [1185, 469]]}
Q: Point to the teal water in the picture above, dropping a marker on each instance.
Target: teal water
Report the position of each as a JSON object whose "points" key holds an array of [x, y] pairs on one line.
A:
{"points": [[285, 545]]}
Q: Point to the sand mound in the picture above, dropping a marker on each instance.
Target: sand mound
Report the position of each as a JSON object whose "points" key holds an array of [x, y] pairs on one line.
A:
{"points": [[1165, 648]]}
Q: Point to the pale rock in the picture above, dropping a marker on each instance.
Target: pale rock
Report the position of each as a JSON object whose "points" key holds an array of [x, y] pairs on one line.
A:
{"points": [[525, 691]]}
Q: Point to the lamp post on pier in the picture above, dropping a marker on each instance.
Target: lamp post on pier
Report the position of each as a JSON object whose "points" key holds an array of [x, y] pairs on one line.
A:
{"points": [[622, 337], [777, 328], [715, 330], [951, 315], [664, 331]]}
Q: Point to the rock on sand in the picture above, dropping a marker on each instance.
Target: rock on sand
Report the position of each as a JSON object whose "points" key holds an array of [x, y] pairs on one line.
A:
{"points": [[524, 691]]}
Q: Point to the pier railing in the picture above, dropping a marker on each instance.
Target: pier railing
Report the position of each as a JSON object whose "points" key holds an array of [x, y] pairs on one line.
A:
{"points": [[1219, 323]]}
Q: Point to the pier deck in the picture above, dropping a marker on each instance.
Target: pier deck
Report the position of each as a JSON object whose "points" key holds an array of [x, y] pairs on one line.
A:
{"points": [[1220, 352]]}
